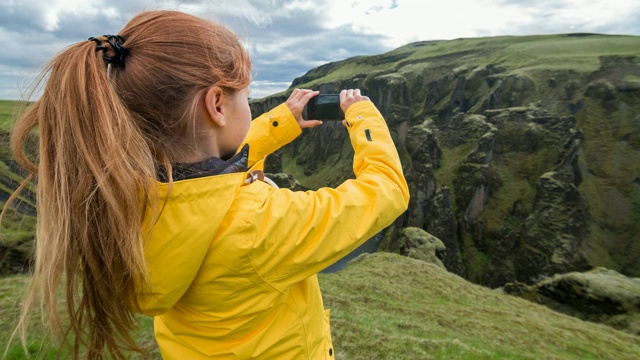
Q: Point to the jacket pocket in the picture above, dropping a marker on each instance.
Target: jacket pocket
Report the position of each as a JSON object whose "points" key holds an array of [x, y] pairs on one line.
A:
{"points": [[329, 351]]}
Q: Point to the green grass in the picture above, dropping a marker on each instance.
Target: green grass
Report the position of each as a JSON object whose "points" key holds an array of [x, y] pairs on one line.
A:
{"points": [[516, 53], [385, 306], [7, 114], [39, 345], [11, 290], [389, 307]]}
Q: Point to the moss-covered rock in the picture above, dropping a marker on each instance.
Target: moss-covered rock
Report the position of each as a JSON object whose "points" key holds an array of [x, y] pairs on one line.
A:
{"points": [[599, 295], [419, 244]]}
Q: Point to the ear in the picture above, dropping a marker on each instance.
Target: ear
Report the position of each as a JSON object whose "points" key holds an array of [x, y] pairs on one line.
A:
{"points": [[214, 103]]}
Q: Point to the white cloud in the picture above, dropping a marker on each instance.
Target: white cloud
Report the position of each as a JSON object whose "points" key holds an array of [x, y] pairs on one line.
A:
{"points": [[260, 89], [593, 13], [404, 21], [286, 38]]}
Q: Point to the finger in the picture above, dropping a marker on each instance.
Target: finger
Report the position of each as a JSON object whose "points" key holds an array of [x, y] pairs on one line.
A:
{"points": [[292, 95], [302, 93], [310, 124], [295, 101], [345, 99], [308, 95]]}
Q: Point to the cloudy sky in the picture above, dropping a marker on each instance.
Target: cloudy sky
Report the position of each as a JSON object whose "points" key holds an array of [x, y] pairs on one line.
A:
{"points": [[286, 38]]}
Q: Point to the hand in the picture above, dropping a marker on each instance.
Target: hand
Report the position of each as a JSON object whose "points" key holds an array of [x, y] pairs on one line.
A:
{"points": [[296, 103], [350, 97]]}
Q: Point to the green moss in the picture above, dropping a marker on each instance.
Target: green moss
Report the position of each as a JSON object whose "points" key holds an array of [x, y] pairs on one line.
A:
{"points": [[476, 260], [501, 212], [451, 160], [632, 78], [610, 161]]}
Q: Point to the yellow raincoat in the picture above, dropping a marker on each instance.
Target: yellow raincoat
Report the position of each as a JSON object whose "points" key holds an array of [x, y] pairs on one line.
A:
{"points": [[233, 266]]}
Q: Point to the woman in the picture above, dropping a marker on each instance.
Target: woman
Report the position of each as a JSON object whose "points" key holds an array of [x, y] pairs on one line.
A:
{"points": [[145, 203]]}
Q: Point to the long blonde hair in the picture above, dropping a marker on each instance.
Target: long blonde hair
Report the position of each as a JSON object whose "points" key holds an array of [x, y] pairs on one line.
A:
{"points": [[103, 131]]}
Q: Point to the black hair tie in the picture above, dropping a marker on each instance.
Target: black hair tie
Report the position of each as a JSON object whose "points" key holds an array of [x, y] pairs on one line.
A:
{"points": [[115, 41]]}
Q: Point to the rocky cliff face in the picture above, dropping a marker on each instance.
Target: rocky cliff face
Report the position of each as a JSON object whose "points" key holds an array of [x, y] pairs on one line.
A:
{"points": [[522, 153]]}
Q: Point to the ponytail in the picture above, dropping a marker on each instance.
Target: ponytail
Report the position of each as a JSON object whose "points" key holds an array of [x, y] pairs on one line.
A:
{"points": [[93, 177], [102, 130]]}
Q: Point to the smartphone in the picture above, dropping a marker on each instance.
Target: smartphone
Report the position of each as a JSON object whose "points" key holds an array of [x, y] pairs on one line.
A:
{"points": [[324, 107]]}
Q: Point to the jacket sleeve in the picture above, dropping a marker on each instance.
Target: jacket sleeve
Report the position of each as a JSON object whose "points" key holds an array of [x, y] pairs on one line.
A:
{"points": [[301, 233], [269, 132]]}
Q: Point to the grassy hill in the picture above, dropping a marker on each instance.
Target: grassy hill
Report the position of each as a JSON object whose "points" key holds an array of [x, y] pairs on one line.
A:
{"points": [[535, 56], [7, 108], [385, 306]]}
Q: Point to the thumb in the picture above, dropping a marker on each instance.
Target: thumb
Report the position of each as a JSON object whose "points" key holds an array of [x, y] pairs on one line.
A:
{"points": [[310, 124]]}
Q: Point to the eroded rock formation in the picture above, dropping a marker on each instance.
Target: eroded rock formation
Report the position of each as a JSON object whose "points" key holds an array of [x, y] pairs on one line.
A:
{"points": [[522, 158]]}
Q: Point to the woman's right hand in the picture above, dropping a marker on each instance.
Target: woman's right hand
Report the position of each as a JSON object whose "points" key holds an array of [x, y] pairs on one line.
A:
{"points": [[350, 97], [296, 103]]}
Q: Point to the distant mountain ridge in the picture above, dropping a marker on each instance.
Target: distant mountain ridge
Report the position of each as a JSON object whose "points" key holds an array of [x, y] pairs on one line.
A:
{"points": [[522, 152]]}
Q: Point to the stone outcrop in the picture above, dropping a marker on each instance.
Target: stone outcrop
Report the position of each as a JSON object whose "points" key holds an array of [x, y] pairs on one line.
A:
{"points": [[419, 244], [599, 295]]}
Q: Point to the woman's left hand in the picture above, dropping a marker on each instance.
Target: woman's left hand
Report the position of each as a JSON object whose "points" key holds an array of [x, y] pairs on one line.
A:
{"points": [[296, 103]]}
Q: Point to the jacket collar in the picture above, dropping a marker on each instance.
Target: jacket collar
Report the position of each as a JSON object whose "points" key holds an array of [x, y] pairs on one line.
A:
{"points": [[208, 167]]}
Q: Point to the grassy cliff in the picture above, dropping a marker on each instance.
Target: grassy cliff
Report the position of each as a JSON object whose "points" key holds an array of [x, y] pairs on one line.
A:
{"points": [[385, 306], [522, 152]]}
